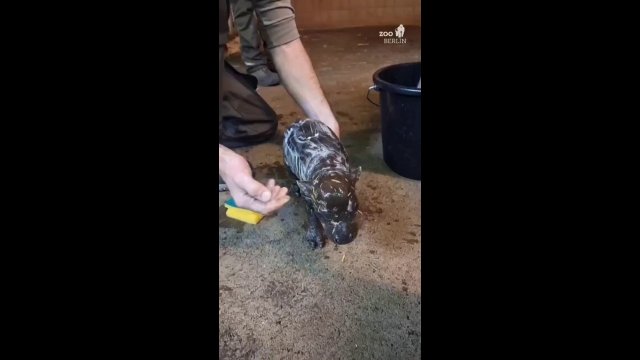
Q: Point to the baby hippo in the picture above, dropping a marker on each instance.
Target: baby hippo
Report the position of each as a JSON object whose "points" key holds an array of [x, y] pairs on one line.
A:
{"points": [[315, 157]]}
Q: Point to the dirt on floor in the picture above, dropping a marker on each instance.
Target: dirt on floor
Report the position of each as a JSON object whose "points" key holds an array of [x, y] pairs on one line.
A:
{"points": [[281, 300]]}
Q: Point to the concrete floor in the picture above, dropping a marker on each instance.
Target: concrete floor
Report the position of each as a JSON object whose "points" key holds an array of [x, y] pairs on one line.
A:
{"points": [[281, 300]]}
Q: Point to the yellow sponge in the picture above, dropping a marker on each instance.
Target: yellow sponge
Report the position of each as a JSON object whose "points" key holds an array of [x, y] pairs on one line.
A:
{"points": [[244, 215]]}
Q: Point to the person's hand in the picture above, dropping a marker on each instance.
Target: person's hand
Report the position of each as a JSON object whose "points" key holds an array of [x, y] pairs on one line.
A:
{"points": [[333, 125], [331, 122], [252, 195], [245, 190]]}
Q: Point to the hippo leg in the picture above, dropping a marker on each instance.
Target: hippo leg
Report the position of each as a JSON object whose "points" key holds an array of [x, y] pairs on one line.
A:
{"points": [[314, 232], [295, 190]]}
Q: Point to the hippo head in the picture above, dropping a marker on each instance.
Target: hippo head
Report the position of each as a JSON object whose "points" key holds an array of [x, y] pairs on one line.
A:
{"points": [[333, 196]]}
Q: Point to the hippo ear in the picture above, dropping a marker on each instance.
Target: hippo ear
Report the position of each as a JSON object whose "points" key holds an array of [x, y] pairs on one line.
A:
{"points": [[355, 173], [305, 188]]}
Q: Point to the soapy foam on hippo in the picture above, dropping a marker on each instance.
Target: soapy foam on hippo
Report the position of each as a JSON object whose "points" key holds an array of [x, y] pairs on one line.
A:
{"points": [[315, 157]]}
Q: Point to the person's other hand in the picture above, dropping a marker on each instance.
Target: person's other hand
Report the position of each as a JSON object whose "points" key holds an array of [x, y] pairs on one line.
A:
{"points": [[245, 190]]}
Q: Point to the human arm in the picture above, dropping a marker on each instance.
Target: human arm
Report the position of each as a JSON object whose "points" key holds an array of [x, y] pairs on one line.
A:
{"points": [[292, 61], [300, 80]]}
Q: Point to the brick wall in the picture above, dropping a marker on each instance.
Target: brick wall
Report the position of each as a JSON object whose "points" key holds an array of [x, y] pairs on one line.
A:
{"points": [[336, 14]]}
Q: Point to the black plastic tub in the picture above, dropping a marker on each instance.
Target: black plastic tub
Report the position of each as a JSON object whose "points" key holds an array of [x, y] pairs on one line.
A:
{"points": [[401, 118]]}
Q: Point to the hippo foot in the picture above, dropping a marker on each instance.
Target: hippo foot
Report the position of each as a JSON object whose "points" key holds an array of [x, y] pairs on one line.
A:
{"points": [[295, 190], [314, 238]]}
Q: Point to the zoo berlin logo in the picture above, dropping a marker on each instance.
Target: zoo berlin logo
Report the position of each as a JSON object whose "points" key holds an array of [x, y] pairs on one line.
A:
{"points": [[399, 36]]}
